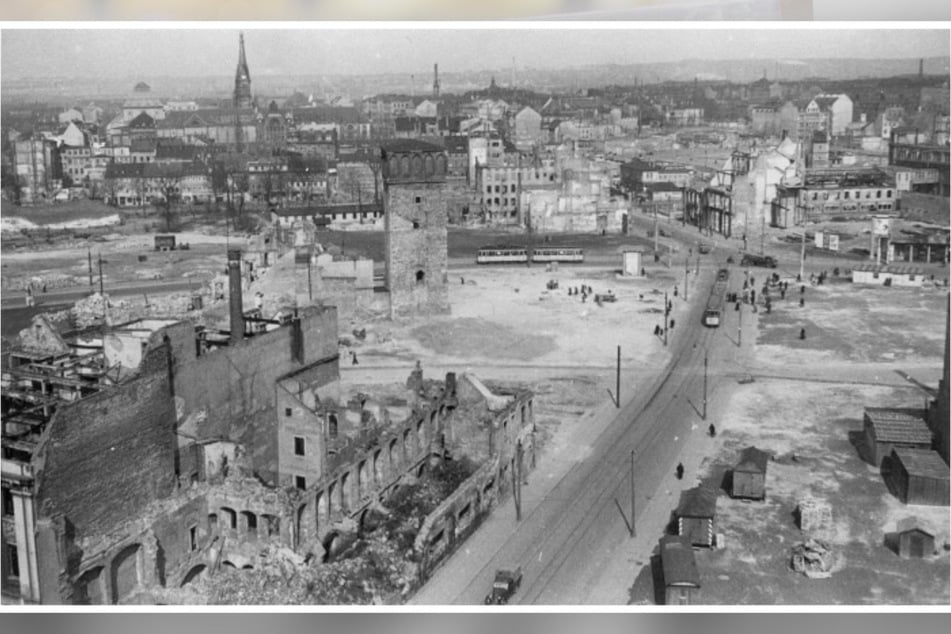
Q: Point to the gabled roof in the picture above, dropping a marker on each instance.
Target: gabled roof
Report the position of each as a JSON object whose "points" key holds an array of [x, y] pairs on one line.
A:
{"points": [[752, 460], [142, 121], [899, 425], [699, 501]]}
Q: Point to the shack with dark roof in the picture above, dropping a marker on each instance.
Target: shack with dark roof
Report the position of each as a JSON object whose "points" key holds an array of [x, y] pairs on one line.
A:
{"points": [[696, 516], [749, 475]]}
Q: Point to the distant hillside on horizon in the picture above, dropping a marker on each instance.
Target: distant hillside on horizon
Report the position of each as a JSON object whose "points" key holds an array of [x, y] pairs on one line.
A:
{"points": [[357, 86]]}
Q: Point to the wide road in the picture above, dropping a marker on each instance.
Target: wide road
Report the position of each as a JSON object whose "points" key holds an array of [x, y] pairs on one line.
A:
{"points": [[570, 531]]}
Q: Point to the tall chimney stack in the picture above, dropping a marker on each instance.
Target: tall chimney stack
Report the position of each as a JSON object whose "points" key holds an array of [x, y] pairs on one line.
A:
{"points": [[235, 299]]}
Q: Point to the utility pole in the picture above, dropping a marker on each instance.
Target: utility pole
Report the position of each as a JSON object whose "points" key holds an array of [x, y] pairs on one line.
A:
{"points": [[633, 527], [617, 387], [704, 385], [101, 291], [698, 263], [89, 256], [739, 329], [310, 284], [666, 313], [762, 238], [802, 253], [686, 275]]}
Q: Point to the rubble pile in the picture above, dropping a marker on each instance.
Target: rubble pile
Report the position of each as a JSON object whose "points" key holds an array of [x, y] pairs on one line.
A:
{"points": [[38, 282], [813, 558], [91, 310]]}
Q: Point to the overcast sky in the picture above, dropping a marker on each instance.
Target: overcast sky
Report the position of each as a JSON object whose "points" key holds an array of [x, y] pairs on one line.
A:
{"points": [[144, 53]]}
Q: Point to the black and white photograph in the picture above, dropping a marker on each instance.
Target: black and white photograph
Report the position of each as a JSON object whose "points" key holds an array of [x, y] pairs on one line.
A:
{"points": [[475, 316]]}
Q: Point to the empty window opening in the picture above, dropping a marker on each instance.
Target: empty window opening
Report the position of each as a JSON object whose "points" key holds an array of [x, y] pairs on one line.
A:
{"points": [[193, 538], [298, 446], [300, 482]]}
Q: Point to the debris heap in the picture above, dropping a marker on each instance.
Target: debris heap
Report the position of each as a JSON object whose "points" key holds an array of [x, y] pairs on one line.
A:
{"points": [[813, 558]]}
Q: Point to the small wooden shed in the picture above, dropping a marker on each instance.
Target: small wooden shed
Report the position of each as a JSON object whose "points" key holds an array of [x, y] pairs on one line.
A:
{"points": [[887, 428], [918, 477], [749, 475], [913, 539], [681, 579], [696, 516], [165, 243]]}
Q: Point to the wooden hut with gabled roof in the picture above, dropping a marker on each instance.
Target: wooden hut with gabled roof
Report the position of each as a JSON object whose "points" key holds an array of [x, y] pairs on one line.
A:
{"points": [[696, 516], [749, 475], [888, 428]]}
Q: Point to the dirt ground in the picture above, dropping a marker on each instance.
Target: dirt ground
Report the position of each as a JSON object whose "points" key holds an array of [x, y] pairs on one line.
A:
{"points": [[813, 430], [507, 316], [853, 323]]}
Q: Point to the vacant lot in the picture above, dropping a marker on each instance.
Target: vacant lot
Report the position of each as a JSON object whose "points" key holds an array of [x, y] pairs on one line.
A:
{"points": [[813, 431]]}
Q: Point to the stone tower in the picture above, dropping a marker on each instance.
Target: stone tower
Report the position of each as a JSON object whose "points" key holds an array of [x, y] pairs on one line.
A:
{"points": [[242, 78], [415, 203]]}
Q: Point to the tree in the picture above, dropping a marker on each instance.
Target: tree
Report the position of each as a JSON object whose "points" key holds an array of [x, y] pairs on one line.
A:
{"points": [[169, 189]]}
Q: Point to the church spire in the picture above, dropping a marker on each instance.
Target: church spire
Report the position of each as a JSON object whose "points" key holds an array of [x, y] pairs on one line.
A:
{"points": [[242, 78]]}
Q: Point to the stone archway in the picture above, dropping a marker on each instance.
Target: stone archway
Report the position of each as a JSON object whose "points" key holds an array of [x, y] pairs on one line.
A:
{"points": [[196, 573], [126, 572]]}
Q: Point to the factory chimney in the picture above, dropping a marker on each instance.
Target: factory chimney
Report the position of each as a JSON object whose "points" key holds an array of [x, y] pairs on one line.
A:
{"points": [[236, 302], [436, 81]]}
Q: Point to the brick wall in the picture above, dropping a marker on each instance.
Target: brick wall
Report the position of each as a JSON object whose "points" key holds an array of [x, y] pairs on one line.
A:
{"points": [[107, 456], [234, 387], [417, 248]]}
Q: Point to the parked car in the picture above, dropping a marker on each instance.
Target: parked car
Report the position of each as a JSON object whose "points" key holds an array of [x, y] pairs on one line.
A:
{"points": [[505, 585], [767, 261], [704, 248]]}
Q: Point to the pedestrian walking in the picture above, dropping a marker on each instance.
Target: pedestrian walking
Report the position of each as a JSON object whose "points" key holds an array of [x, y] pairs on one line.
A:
{"points": [[802, 289], [802, 333], [802, 302], [680, 471], [753, 297], [712, 430], [672, 322]]}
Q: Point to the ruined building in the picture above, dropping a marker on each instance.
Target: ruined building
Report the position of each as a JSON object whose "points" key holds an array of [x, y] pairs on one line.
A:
{"points": [[415, 212], [133, 457], [139, 459]]}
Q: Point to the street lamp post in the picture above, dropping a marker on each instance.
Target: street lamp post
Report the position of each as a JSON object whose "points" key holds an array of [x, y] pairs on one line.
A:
{"points": [[704, 385]]}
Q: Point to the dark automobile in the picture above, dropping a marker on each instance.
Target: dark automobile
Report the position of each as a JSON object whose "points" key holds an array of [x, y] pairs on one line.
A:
{"points": [[505, 585], [767, 261], [704, 248]]}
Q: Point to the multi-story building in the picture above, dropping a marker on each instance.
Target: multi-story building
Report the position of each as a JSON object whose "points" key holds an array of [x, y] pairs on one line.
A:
{"points": [[500, 187], [931, 162], [834, 193]]}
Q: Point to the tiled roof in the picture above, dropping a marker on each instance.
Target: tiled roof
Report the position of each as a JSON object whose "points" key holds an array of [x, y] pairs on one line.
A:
{"points": [[410, 145], [893, 269], [898, 425], [923, 463]]}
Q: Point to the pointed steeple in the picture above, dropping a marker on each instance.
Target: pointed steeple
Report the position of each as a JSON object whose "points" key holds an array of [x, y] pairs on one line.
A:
{"points": [[242, 78]]}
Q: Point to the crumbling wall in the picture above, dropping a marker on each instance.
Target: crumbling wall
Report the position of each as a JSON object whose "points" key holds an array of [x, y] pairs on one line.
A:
{"points": [[234, 388], [105, 457]]}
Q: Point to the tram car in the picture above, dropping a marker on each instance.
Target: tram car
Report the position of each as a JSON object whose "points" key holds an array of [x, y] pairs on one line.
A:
{"points": [[713, 312], [502, 255], [557, 254]]}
